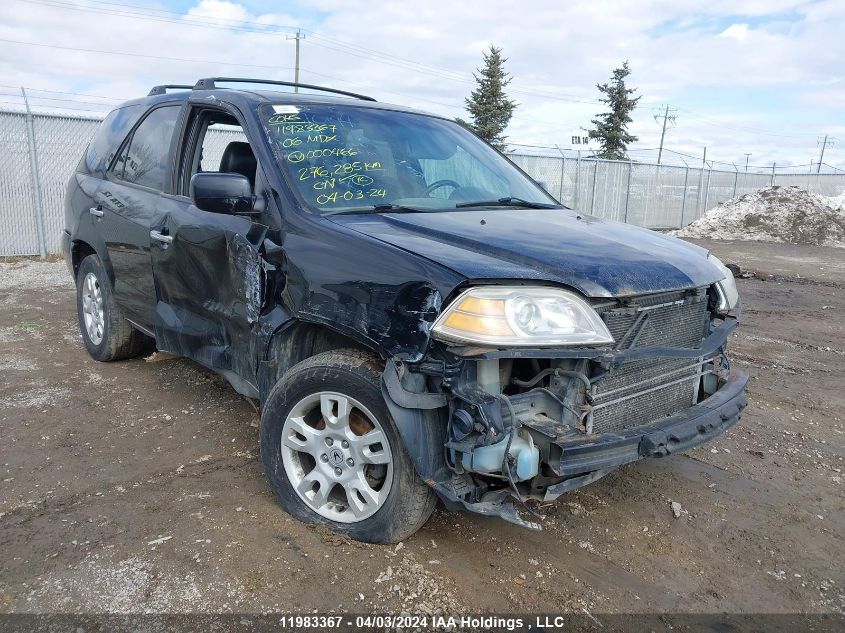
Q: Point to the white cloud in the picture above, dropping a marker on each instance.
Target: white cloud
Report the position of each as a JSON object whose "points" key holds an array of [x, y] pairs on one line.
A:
{"points": [[220, 10], [737, 32]]}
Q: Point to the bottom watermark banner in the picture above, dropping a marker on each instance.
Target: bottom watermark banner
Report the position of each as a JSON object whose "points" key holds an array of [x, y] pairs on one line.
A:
{"points": [[342, 623]]}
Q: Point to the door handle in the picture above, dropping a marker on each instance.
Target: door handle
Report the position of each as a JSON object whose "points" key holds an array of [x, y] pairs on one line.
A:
{"points": [[98, 211], [161, 237]]}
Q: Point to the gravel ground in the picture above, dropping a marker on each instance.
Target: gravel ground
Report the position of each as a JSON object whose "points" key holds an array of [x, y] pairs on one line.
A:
{"points": [[34, 274], [136, 487]]}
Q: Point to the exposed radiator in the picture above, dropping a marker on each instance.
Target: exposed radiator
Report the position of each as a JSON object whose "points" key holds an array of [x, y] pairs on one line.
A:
{"points": [[645, 391]]}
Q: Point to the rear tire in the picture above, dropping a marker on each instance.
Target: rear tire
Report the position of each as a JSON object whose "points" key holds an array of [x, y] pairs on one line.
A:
{"points": [[105, 331], [333, 455]]}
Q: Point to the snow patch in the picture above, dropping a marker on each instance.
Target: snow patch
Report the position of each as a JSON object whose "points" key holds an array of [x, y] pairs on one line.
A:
{"points": [[788, 215]]}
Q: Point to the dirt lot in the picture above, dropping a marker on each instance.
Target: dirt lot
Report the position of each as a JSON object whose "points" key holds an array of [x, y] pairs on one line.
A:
{"points": [[136, 486]]}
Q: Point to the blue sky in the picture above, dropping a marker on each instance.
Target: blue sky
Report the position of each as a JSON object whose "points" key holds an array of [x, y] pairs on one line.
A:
{"points": [[764, 77]]}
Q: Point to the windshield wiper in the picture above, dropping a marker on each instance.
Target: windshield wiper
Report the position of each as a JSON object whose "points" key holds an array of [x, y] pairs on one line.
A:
{"points": [[377, 208], [507, 202]]}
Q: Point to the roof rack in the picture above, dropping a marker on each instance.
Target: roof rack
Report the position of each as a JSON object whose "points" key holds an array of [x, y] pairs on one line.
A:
{"points": [[209, 83], [161, 90]]}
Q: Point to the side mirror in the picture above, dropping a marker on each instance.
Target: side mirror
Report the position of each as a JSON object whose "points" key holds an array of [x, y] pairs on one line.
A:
{"points": [[222, 193]]}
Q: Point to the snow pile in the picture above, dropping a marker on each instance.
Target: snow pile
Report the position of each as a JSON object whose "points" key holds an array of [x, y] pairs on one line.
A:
{"points": [[776, 214]]}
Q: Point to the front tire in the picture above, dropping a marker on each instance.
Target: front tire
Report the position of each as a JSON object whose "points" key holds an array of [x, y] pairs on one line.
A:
{"points": [[333, 455], [105, 331]]}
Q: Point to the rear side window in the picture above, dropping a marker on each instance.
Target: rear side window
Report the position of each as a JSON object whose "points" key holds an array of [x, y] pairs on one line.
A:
{"points": [[146, 158], [108, 137]]}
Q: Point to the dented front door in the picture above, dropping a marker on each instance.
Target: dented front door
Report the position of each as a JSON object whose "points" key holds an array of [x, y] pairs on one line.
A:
{"points": [[209, 278]]}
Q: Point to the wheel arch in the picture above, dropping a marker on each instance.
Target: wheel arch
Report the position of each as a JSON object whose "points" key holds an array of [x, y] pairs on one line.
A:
{"points": [[80, 249], [298, 340]]}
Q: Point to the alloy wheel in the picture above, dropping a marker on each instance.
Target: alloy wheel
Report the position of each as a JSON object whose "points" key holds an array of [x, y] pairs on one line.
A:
{"points": [[92, 308], [337, 457]]}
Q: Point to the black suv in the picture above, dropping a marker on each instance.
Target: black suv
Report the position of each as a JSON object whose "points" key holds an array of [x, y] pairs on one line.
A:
{"points": [[418, 318]]}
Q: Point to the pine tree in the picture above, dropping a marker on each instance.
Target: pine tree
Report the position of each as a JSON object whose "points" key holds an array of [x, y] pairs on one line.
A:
{"points": [[488, 104], [611, 128]]}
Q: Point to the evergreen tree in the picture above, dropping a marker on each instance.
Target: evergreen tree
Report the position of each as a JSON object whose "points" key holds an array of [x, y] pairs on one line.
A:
{"points": [[611, 128], [488, 105]]}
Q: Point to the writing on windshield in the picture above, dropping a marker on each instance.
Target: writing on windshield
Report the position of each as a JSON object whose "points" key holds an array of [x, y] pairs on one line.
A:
{"points": [[352, 157], [327, 159]]}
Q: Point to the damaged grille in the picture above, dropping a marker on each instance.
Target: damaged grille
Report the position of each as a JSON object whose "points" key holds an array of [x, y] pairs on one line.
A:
{"points": [[644, 391]]}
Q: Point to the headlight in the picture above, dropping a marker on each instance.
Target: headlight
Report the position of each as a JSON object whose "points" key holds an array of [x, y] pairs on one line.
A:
{"points": [[526, 317], [728, 295]]}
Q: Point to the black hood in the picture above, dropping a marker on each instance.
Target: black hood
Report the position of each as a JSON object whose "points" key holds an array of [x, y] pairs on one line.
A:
{"points": [[597, 257]]}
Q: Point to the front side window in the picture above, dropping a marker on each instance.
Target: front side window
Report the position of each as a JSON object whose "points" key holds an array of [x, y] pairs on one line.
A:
{"points": [[343, 158], [146, 158], [219, 145]]}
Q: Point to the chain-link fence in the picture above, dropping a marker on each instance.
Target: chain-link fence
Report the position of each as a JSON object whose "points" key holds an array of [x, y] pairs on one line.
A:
{"points": [[51, 146], [656, 196], [39, 152]]}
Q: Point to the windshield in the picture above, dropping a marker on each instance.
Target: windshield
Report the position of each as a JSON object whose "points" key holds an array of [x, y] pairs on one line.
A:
{"points": [[342, 159]]}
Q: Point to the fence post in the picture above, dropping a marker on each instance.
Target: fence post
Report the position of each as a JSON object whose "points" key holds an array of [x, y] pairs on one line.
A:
{"points": [[698, 200], [562, 173], [595, 176], [628, 191], [772, 181], [36, 178], [577, 178], [707, 190], [736, 180], [684, 199], [562, 176]]}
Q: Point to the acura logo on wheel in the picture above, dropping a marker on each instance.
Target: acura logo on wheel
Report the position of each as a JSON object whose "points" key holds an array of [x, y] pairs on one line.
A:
{"points": [[335, 457]]}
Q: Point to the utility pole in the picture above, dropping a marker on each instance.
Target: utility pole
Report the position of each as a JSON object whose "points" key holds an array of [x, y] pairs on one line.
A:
{"points": [[824, 143], [746, 161], [299, 36], [666, 117]]}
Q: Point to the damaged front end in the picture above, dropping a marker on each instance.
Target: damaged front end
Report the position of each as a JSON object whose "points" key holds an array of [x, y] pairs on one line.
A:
{"points": [[534, 423]]}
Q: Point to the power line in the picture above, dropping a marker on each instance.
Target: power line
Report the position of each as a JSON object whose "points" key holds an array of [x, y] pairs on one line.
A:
{"points": [[149, 13], [741, 128], [206, 61], [262, 28], [62, 92], [332, 43], [31, 97], [452, 106], [182, 19], [223, 23], [135, 11], [21, 104], [326, 42], [141, 55]]}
